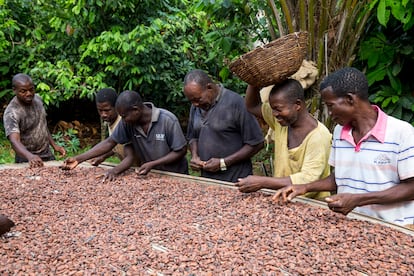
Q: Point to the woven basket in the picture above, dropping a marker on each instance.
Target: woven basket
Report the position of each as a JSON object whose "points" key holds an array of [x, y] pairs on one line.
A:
{"points": [[273, 62]]}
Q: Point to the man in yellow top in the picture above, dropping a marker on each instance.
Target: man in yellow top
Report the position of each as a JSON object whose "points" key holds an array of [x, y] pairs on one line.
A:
{"points": [[302, 143]]}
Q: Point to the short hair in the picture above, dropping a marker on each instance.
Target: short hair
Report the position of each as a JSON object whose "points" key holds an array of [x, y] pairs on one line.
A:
{"points": [[128, 99], [347, 80], [198, 76], [20, 78], [106, 95], [292, 90]]}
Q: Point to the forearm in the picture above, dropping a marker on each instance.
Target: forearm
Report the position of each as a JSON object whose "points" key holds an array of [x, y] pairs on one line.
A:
{"points": [[124, 165], [246, 152], [108, 154], [194, 147], [274, 183], [253, 101], [51, 141], [21, 150], [398, 193], [326, 184], [98, 150], [18, 147], [171, 157]]}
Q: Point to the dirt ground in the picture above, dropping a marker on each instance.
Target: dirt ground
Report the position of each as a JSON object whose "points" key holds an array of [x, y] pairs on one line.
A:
{"points": [[72, 223]]}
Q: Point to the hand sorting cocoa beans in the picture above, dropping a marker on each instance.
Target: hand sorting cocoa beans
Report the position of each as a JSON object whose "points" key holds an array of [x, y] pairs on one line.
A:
{"points": [[70, 222], [5, 224]]}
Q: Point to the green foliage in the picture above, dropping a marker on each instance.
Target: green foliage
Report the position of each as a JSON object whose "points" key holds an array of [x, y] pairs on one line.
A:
{"points": [[400, 10], [73, 48], [69, 140], [6, 151], [388, 55]]}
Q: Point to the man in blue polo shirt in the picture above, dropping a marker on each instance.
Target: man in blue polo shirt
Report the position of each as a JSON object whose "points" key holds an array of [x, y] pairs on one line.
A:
{"points": [[154, 133]]}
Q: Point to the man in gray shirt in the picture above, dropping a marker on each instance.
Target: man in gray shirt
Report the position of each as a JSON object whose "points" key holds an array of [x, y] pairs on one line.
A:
{"points": [[25, 125], [223, 135]]}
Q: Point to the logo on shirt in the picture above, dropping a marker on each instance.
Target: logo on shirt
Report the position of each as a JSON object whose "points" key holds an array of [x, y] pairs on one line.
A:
{"points": [[382, 159], [160, 137]]}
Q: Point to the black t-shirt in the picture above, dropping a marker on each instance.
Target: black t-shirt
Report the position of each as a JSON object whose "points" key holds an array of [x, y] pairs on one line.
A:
{"points": [[222, 131]]}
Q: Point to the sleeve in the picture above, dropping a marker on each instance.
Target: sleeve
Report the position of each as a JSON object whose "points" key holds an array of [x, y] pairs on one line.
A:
{"points": [[251, 131], [336, 136], [10, 121], [192, 132], [268, 116], [406, 153], [120, 134], [315, 163], [175, 136]]}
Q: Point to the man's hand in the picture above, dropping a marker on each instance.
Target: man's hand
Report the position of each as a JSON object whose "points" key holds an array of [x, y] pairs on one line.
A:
{"points": [[196, 163], [60, 149], [342, 203], [212, 165], [145, 168], [35, 161], [69, 164], [5, 224], [110, 175], [249, 184], [98, 160], [288, 193]]}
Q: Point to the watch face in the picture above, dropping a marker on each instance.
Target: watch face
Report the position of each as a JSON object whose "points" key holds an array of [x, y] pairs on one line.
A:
{"points": [[223, 166]]}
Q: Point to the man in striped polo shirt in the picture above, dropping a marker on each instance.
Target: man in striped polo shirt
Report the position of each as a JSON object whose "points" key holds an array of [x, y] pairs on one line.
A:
{"points": [[373, 154]]}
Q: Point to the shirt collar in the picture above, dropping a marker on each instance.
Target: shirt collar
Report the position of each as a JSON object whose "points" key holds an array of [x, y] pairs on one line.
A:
{"points": [[221, 88], [220, 92], [378, 131], [118, 119], [155, 114]]}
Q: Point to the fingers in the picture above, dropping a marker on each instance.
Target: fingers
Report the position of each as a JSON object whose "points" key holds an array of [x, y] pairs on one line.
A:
{"points": [[143, 171], [95, 163], [108, 177], [285, 195], [338, 209], [36, 163], [243, 189], [195, 167], [69, 164], [197, 164], [279, 197], [240, 182]]}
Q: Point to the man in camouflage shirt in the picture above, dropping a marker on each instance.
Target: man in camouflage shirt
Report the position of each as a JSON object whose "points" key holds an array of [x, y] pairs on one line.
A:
{"points": [[26, 126]]}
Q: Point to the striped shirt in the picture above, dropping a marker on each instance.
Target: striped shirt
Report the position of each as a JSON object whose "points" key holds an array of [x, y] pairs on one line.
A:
{"points": [[379, 161]]}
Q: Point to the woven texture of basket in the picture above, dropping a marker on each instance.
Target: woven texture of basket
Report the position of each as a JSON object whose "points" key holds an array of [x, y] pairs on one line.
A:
{"points": [[273, 62]]}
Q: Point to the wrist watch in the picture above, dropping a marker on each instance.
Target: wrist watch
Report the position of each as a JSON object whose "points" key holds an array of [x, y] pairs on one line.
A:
{"points": [[223, 166]]}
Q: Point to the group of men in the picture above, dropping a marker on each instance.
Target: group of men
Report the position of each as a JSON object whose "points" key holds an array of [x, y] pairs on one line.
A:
{"points": [[370, 152]]}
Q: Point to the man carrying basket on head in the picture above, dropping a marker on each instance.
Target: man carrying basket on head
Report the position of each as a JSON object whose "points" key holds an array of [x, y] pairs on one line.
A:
{"points": [[302, 143]]}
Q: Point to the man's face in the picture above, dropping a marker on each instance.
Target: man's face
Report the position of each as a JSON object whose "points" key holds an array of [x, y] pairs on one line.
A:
{"points": [[284, 111], [199, 97], [130, 116], [338, 108], [107, 112], [24, 91]]}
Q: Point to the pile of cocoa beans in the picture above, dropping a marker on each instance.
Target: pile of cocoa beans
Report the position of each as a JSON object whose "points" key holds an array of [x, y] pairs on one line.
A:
{"points": [[73, 223]]}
